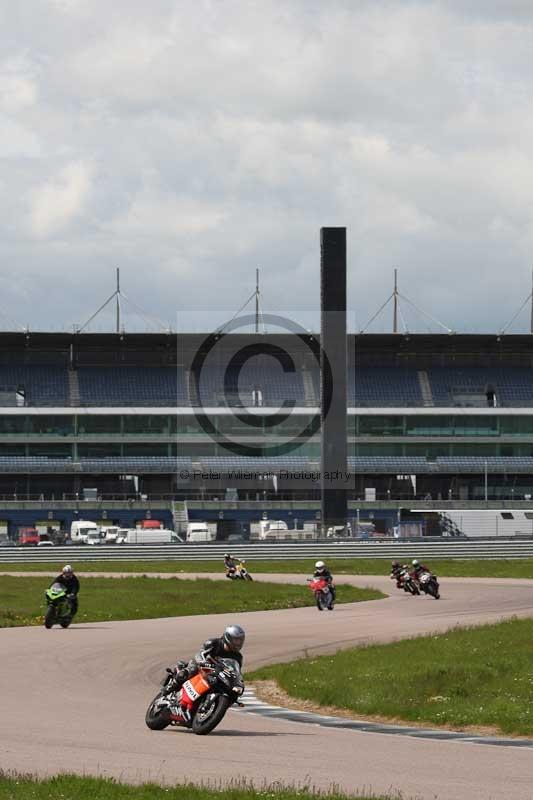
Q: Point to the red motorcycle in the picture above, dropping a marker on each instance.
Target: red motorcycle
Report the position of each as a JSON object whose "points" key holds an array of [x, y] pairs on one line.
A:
{"points": [[322, 592]]}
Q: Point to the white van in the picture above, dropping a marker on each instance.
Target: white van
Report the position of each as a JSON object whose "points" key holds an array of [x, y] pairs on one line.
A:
{"points": [[199, 532], [80, 529]]}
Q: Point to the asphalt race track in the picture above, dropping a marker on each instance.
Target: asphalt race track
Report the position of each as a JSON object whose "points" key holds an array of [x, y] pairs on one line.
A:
{"points": [[75, 700]]}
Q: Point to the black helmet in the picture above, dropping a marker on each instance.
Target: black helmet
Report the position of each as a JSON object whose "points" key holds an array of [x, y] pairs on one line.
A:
{"points": [[395, 563], [234, 637]]}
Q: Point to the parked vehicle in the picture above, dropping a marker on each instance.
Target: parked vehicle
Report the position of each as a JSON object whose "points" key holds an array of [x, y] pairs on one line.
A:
{"points": [[94, 537], [59, 608], [322, 592], [240, 573], [29, 537], [273, 529], [208, 695], [429, 584], [199, 532], [45, 543], [143, 536], [80, 529], [110, 534]]}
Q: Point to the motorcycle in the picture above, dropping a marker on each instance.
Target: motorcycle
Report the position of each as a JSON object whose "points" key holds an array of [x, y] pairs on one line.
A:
{"points": [[322, 592], [241, 573], [59, 607], [408, 582], [429, 584], [207, 696]]}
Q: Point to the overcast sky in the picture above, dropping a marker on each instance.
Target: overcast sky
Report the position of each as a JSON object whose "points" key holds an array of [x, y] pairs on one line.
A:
{"points": [[190, 142]]}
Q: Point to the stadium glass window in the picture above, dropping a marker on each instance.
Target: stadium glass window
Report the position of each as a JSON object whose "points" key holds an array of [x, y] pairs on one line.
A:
{"points": [[10, 425], [147, 423], [476, 426], [12, 449], [480, 450], [50, 450], [380, 426], [516, 426], [430, 451], [160, 450], [99, 450], [51, 425], [186, 424], [96, 423], [429, 426]]}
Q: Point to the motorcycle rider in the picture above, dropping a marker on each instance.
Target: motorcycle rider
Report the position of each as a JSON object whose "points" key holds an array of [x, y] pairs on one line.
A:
{"points": [[230, 563], [396, 572], [229, 645], [69, 580], [419, 568], [321, 571]]}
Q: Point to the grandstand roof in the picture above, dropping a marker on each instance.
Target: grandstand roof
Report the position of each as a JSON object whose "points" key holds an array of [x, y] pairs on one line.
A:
{"points": [[170, 348]]}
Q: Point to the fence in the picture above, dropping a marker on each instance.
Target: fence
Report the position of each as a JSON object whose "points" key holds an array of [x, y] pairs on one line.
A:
{"points": [[385, 549]]}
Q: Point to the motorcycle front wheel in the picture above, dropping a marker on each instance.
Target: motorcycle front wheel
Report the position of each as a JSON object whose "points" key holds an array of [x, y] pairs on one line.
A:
{"points": [[65, 622], [49, 617], [323, 601], [209, 713], [157, 718]]}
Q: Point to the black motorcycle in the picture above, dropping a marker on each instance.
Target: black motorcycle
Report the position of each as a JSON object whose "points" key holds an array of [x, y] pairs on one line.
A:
{"points": [[208, 695]]}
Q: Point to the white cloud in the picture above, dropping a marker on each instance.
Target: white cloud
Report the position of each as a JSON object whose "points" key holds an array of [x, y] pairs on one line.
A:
{"points": [[55, 203]]}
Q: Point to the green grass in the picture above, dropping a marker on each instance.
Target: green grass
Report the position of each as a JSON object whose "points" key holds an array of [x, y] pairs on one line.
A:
{"points": [[471, 568], [74, 787], [473, 677], [22, 599]]}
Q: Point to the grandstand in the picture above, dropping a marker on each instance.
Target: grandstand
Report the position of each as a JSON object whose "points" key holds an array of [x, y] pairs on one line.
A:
{"points": [[431, 418]]}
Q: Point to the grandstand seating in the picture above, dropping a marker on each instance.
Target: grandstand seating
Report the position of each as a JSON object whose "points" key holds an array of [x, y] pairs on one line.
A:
{"points": [[132, 386], [368, 387], [39, 385], [513, 386], [275, 386]]}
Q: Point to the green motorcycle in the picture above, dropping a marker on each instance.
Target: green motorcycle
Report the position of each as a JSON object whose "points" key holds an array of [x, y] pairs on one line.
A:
{"points": [[59, 607]]}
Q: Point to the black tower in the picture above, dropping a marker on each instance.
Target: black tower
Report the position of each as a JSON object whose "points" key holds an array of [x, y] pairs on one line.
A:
{"points": [[333, 369]]}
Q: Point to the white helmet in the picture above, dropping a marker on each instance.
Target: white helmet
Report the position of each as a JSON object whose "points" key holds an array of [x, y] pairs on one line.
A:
{"points": [[67, 570], [320, 565], [414, 562]]}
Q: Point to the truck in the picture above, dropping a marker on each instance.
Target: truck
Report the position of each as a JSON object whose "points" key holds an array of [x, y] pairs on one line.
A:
{"points": [[199, 532], [142, 536], [80, 529], [29, 537]]}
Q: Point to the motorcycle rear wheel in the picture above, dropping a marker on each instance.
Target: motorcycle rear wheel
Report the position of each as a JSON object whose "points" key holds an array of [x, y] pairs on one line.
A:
{"points": [[205, 724], [157, 719]]}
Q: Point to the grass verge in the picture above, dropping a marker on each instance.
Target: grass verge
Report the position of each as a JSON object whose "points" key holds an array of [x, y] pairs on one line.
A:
{"points": [[459, 568], [68, 787], [477, 677], [103, 599]]}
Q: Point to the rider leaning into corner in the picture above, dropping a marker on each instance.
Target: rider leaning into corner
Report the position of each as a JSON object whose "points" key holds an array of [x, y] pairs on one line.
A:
{"points": [[419, 568], [230, 563], [321, 571], [69, 580], [229, 645]]}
